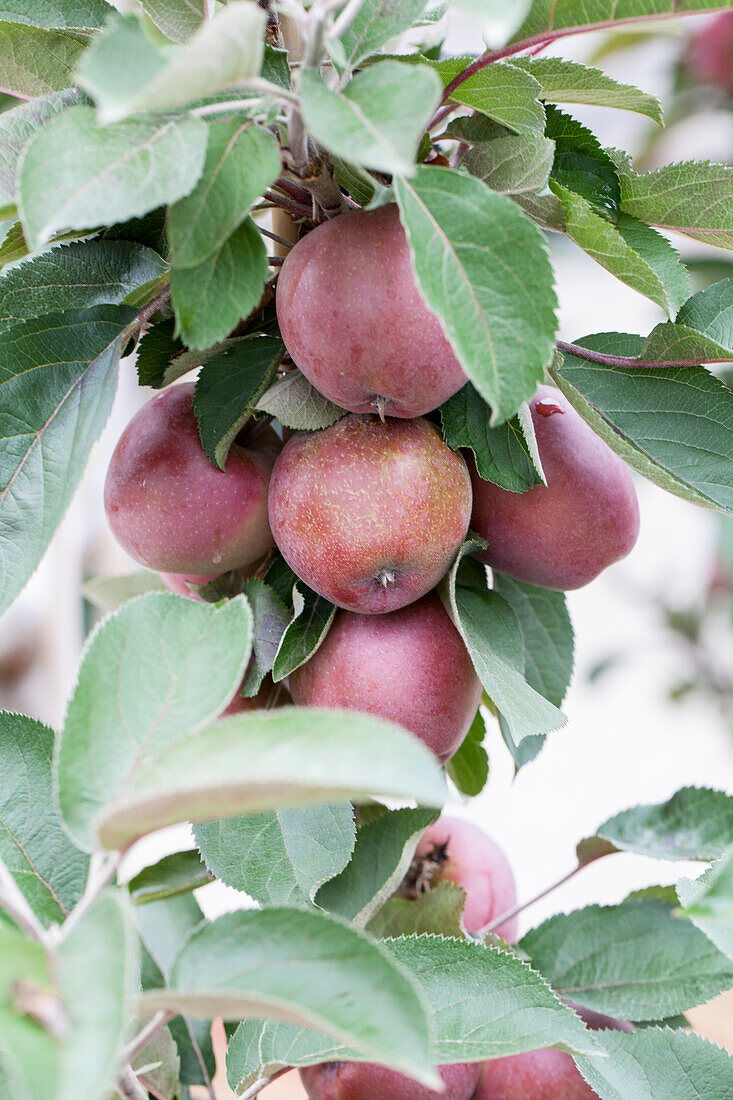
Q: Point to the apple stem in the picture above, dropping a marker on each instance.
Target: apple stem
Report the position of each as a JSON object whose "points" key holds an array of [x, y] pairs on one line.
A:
{"points": [[381, 405], [629, 361], [261, 1083], [510, 913]]}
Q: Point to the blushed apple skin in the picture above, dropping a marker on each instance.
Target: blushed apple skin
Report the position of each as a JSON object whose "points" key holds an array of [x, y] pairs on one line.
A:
{"points": [[476, 863], [409, 666], [179, 582], [365, 1081], [710, 53], [370, 514], [564, 534], [170, 508], [542, 1074], [355, 323]]}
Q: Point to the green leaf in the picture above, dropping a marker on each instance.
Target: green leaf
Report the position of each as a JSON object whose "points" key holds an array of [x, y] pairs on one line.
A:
{"points": [[159, 1066], [155, 352], [557, 18], [381, 859], [177, 19], [708, 903], [164, 926], [125, 74], [29, 1057], [228, 389], [299, 405], [469, 767], [511, 164], [47, 867], [305, 967], [57, 382], [631, 251], [97, 973], [242, 160], [703, 328], [311, 621], [633, 960], [482, 267], [117, 172], [200, 655], [695, 823], [378, 119], [375, 23], [89, 14], [674, 425], [438, 912], [549, 643], [694, 198], [581, 165], [565, 81], [162, 359], [170, 876], [501, 91], [271, 617], [280, 857], [109, 593], [83, 988], [268, 759], [34, 62], [493, 636], [75, 276], [548, 651], [656, 1064], [502, 454], [486, 1003], [661, 256], [18, 125], [210, 299]]}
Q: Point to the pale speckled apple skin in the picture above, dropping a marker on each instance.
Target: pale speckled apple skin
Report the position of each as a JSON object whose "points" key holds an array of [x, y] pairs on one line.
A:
{"points": [[564, 534], [543, 1074], [478, 864], [363, 497], [409, 666], [365, 1081], [170, 508], [354, 321]]}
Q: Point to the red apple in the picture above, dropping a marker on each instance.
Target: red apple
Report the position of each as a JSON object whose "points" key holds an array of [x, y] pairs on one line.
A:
{"points": [[542, 1074], [452, 850], [170, 508], [410, 666], [364, 1081], [710, 53], [355, 323], [564, 534], [370, 514]]}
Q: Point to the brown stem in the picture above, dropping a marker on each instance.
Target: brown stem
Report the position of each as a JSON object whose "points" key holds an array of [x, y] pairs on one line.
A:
{"points": [[273, 34], [129, 1086], [295, 208], [149, 310], [624, 361], [545, 39], [275, 237]]}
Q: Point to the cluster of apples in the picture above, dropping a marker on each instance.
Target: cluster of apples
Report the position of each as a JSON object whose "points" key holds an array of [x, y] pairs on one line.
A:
{"points": [[452, 850], [370, 513]]}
